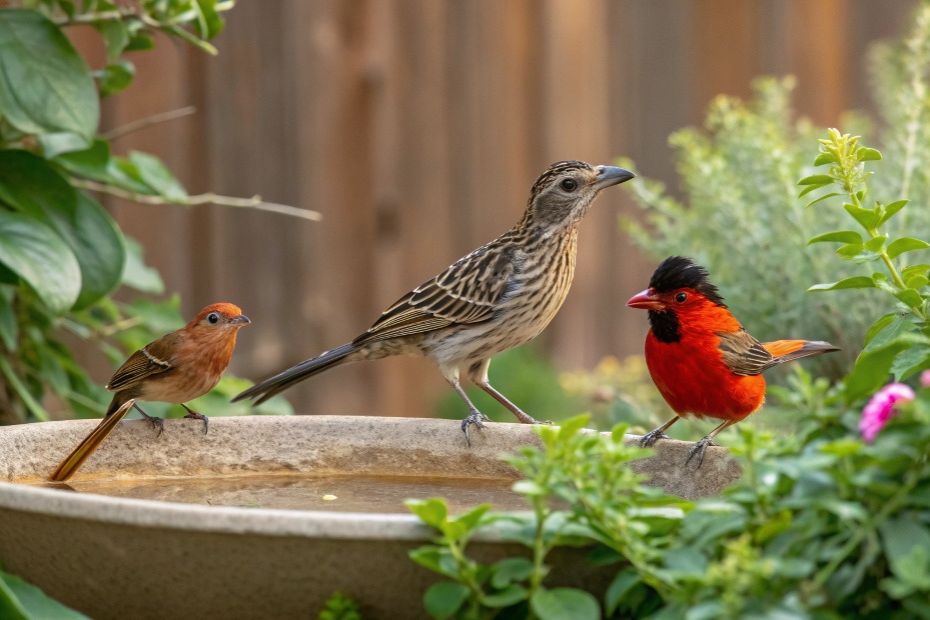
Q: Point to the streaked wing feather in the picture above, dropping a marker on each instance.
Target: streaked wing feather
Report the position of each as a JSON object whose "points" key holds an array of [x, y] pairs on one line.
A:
{"points": [[743, 354], [468, 291], [152, 359]]}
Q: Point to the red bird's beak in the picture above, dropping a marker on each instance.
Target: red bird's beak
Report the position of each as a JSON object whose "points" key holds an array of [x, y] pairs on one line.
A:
{"points": [[645, 300]]}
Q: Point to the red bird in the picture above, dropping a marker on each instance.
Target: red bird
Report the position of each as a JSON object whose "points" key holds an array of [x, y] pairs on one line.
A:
{"points": [[176, 368], [700, 357]]}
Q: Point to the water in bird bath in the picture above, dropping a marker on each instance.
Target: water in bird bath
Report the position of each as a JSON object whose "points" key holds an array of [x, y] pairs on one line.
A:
{"points": [[301, 492]]}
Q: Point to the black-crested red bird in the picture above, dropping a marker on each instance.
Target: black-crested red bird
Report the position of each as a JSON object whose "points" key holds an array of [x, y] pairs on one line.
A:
{"points": [[500, 296], [176, 368], [700, 357]]}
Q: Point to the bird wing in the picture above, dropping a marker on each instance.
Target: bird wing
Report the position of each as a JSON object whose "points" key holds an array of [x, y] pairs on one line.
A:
{"points": [[152, 359], [743, 354], [468, 291]]}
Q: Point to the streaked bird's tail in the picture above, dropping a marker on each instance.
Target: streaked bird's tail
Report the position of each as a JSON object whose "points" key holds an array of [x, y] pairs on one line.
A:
{"points": [[283, 380], [117, 410], [790, 350]]}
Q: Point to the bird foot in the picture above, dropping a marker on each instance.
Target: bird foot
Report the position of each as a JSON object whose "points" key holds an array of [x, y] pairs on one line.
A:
{"points": [[478, 419], [698, 449], [156, 422], [199, 416], [649, 439]]}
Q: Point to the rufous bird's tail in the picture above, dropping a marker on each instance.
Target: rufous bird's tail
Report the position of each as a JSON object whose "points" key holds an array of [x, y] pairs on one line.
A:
{"points": [[119, 407], [790, 350], [307, 368]]}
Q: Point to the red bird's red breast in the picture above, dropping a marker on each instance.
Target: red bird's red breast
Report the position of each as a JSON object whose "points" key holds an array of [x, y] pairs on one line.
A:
{"points": [[694, 380]]}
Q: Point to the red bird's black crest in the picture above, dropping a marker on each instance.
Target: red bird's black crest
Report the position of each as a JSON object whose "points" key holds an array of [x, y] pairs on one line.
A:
{"points": [[677, 272]]}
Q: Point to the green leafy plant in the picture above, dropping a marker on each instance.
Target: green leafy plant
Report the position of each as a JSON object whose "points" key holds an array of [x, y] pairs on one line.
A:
{"points": [[609, 505], [61, 254], [340, 607], [899, 341], [20, 600]]}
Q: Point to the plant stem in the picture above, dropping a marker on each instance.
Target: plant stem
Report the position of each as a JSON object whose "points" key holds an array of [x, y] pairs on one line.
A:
{"points": [[255, 202], [148, 121]]}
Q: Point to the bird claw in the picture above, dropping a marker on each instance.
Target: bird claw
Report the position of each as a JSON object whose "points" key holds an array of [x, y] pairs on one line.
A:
{"points": [[156, 422], [199, 416], [649, 439], [698, 449], [478, 419]]}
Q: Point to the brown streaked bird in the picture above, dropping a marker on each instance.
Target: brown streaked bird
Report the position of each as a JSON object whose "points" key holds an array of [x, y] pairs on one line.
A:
{"points": [[176, 368], [498, 297]]}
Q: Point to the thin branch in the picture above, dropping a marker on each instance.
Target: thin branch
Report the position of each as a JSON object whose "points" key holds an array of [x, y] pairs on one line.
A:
{"points": [[148, 121], [255, 202]]}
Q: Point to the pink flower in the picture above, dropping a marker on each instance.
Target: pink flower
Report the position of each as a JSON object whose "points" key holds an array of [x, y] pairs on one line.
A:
{"points": [[925, 379], [881, 409]]}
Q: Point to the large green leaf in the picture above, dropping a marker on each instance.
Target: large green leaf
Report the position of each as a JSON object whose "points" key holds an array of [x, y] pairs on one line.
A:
{"points": [[45, 86], [442, 600], [20, 600], [30, 184], [41, 258], [565, 604]]}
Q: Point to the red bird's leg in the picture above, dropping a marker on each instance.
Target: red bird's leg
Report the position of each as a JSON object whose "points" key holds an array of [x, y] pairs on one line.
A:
{"points": [[651, 437], [699, 447], [154, 421], [197, 416], [521, 415]]}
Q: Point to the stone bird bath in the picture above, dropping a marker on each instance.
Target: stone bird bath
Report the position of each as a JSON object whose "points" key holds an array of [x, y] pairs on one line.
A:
{"points": [[183, 528]]}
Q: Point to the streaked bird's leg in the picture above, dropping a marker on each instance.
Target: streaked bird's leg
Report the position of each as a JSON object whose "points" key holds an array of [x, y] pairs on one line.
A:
{"points": [[474, 417], [479, 375], [655, 435], [197, 416], [154, 421]]}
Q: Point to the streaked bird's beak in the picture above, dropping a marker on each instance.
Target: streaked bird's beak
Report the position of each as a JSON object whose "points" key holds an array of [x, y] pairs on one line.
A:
{"points": [[240, 320], [611, 175], [646, 300]]}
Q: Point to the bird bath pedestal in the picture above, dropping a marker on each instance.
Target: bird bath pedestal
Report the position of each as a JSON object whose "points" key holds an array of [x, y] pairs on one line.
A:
{"points": [[203, 543]]}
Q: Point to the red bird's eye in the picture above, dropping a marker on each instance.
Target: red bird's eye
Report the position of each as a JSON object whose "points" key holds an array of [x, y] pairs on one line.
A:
{"points": [[681, 297]]}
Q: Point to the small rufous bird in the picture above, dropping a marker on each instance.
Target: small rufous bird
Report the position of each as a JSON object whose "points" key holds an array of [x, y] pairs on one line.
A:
{"points": [[500, 296], [176, 368], [700, 357]]}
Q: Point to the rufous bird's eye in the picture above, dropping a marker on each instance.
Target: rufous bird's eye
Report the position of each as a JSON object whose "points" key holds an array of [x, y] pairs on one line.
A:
{"points": [[681, 297], [213, 318], [569, 185]]}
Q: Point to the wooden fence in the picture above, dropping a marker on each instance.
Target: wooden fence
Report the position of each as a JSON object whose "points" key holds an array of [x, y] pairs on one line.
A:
{"points": [[417, 127]]}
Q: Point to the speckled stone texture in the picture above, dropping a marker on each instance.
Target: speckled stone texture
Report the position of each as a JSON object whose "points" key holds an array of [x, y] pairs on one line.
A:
{"points": [[127, 558]]}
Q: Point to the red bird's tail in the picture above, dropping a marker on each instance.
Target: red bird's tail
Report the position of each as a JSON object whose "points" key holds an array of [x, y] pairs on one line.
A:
{"points": [[789, 350]]}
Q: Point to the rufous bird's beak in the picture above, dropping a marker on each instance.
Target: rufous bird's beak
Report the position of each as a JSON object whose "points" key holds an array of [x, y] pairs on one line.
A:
{"points": [[611, 175], [240, 320], [645, 300]]}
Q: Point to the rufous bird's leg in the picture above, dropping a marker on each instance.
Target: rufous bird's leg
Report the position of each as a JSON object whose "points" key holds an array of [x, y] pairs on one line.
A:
{"points": [[699, 447], [653, 436], [197, 416], [474, 417], [154, 421]]}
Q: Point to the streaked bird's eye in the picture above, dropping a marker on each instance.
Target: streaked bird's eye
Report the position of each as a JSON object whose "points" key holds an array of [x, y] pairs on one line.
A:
{"points": [[213, 318], [569, 185]]}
